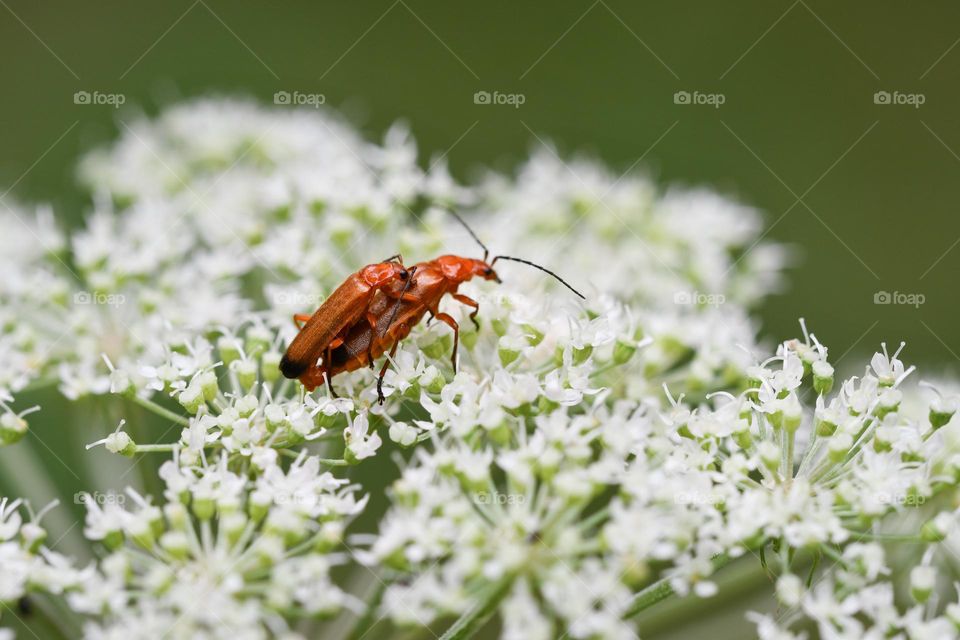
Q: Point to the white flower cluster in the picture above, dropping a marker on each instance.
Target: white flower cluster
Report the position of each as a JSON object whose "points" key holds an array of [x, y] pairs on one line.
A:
{"points": [[28, 565], [227, 555], [584, 461]]}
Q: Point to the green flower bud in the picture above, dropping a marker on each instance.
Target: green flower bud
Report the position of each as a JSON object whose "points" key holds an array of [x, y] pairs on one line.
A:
{"points": [[923, 579], [121, 443], [792, 413], [113, 540], [176, 544], [883, 438], [203, 508], [142, 535], [826, 428], [822, 377], [121, 384], [533, 335], [270, 366], [582, 355], [229, 349], [941, 411], [246, 405], [469, 337], [33, 536], [258, 341], [246, 371], [623, 351], [769, 455], [191, 398], [507, 355], [274, 416], [209, 385], [937, 528], [329, 537], [439, 348], [176, 512], [259, 505], [432, 380], [12, 428], [233, 525], [839, 446]]}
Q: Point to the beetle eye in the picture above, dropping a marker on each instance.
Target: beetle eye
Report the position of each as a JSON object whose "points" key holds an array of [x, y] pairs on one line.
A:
{"points": [[404, 274]]}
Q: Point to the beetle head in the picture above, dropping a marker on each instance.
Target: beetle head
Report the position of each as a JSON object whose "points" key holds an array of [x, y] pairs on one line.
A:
{"points": [[462, 269]]}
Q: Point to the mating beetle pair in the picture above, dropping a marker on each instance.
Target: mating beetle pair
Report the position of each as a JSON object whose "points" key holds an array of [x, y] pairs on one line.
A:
{"points": [[376, 308]]}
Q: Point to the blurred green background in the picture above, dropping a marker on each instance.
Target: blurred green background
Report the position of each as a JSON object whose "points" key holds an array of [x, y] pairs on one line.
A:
{"points": [[878, 182], [866, 193]]}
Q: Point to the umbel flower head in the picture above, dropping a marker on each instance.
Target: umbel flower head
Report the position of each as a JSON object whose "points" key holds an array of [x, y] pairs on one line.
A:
{"points": [[583, 461]]}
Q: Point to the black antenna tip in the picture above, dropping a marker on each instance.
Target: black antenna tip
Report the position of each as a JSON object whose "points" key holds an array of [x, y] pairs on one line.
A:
{"points": [[545, 270]]}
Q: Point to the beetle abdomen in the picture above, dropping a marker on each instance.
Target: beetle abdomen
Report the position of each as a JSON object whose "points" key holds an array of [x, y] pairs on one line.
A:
{"points": [[291, 368]]}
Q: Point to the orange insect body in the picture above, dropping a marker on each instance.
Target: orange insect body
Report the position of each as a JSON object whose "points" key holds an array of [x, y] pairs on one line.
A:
{"points": [[341, 310], [397, 310], [376, 308]]}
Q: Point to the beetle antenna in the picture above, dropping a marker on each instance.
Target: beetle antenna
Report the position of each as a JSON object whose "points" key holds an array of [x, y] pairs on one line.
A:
{"points": [[545, 270], [463, 222]]}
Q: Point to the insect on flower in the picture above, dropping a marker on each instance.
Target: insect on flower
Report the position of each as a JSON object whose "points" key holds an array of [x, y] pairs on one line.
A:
{"points": [[319, 333], [401, 305]]}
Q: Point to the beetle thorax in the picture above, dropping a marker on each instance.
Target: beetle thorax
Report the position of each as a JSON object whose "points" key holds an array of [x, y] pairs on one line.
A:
{"points": [[376, 275]]}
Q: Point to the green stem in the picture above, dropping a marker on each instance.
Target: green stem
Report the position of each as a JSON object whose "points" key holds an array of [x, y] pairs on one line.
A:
{"points": [[474, 618], [366, 621], [150, 405], [891, 537], [154, 448], [661, 590]]}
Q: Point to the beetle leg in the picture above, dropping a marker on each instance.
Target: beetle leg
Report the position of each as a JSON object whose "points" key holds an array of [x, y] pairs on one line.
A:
{"points": [[372, 321], [300, 319], [326, 372], [383, 372], [395, 257], [450, 322], [470, 302]]}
